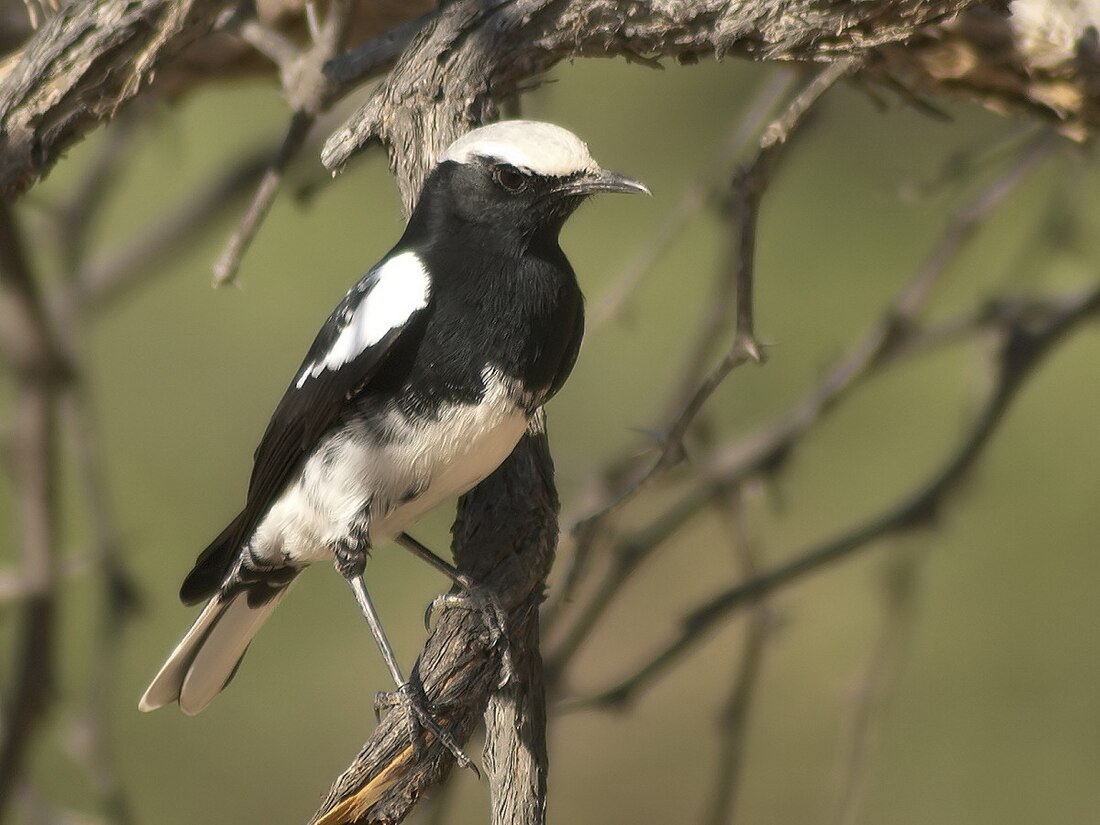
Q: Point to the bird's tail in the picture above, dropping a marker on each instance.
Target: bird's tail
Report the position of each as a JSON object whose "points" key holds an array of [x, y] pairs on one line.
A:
{"points": [[207, 657]]}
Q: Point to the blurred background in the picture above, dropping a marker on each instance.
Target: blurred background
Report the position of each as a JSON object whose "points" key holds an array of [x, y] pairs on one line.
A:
{"points": [[971, 699]]}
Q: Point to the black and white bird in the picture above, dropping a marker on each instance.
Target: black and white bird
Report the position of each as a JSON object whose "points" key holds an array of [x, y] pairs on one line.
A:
{"points": [[419, 385]]}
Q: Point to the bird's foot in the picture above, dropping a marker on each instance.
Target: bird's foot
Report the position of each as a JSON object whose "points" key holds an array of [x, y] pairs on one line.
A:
{"points": [[481, 600], [413, 704], [350, 558]]}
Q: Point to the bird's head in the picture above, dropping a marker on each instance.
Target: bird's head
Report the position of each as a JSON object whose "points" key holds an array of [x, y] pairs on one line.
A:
{"points": [[519, 176]]}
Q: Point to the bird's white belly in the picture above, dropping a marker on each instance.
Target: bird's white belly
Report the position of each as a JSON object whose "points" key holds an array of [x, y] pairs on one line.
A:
{"points": [[395, 482]]}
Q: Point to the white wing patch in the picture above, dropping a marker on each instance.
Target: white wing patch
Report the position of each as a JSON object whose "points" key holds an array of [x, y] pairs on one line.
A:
{"points": [[402, 287], [542, 148]]}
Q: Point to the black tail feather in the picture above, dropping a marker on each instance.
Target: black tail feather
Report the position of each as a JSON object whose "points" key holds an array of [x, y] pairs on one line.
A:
{"points": [[213, 565]]}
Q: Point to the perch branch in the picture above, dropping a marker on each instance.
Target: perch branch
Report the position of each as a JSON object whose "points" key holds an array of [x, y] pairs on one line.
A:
{"points": [[504, 539]]}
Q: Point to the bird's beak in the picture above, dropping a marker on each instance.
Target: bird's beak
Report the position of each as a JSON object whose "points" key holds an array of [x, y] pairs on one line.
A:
{"points": [[601, 180]]}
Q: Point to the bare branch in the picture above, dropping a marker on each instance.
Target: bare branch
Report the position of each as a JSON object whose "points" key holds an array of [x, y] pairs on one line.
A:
{"points": [[504, 539], [878, 680], [1028, 331], [40, 372], [475, 53], [748, 188], [348, 69], [895, 335], [894, 332], [79, 68], [309, 92], [734, 717], [225, 268]]}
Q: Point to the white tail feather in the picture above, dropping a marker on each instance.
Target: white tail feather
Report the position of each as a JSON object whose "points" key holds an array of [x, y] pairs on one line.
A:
{"points": [[205, 658]]}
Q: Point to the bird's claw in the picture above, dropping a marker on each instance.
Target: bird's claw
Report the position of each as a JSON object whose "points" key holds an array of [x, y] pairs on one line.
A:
{"points": [[413, 704], [480, 600]]}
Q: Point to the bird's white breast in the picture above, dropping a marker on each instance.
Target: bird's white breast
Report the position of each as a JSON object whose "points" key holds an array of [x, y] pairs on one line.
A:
{"points": [[426, 463]]}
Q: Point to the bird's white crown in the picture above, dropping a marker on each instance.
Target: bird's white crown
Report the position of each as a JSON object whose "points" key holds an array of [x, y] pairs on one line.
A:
{"points": [[529, 145]]}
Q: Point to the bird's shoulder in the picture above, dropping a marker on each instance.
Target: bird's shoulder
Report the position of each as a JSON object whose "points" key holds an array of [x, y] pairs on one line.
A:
{"points": [[385, 299], [348, 351]]}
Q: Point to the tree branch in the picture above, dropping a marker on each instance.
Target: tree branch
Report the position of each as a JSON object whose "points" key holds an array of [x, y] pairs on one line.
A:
{"points": [[79, 68], [40, 371], [1028, 332], [504, 539], [475, 53], [734, 297]]}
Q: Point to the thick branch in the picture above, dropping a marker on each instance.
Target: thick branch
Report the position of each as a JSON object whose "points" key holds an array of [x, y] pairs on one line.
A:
{"points": [[475, 53], [80, 67]]}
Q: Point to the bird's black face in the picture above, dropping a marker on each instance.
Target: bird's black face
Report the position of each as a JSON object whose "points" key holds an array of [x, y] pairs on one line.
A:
{"points": [[515, 203]]}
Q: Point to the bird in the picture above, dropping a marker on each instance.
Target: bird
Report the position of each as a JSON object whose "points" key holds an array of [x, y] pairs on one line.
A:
{"points": [[418, 385]]}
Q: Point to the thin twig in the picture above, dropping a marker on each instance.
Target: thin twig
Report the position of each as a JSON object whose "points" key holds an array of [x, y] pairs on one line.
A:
{"points": [[749, 187], [225, 268], [896, 335], [108, 280], [896, 329], [1029, 331], [878, 680], [735, 714], [733, 296], [309, 92], [31, 692], [746, 125], [350, 68]]}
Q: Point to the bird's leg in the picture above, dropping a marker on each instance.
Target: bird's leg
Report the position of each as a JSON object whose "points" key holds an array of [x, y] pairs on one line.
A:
{"points": [[473, 597], [351, 557]]}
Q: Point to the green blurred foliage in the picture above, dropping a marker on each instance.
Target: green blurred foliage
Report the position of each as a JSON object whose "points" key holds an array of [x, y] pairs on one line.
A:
{"points": [[996, 715]]}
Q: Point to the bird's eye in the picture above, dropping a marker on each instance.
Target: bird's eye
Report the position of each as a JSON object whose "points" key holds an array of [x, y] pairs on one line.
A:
{"points": [[510, 178]]}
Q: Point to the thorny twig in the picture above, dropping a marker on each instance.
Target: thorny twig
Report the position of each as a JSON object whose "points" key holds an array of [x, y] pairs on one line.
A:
{"points": [[749, 186], [735, 290], [1028, 331], [895, 335]]}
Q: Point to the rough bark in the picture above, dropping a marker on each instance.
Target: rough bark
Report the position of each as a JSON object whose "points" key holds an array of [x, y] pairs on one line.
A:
{"points": [[79, 68], [473, 54], [92, 57]]}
